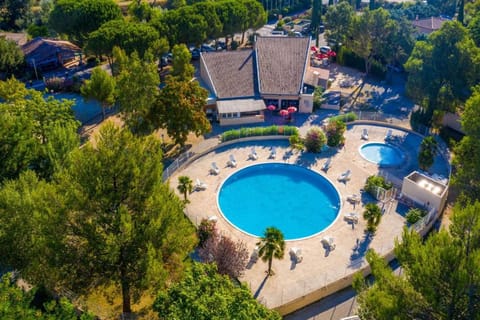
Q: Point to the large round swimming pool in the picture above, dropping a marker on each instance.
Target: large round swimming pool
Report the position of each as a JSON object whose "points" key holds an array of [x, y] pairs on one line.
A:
{"points": [[384, 155], [296, 200]]}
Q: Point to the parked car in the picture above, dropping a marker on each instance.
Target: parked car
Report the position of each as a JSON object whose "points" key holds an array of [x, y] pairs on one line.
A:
{"points": [[325, 49], [207, 48], [221, 45], [195, 52]]}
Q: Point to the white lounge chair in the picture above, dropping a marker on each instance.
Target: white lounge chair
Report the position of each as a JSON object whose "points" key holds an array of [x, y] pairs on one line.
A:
{"points": [[213, 218], [273, 153], [365, 134], [327, 164], [296, 254], [389, 134], [253, 154], [351, 217], [329, 243], [232, 162], [353, 198], [345, 176], [214, 169], [199, 185]]}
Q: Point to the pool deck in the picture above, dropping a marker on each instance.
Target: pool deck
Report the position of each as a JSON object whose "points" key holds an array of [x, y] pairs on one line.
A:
{"points": [[320, 267]]}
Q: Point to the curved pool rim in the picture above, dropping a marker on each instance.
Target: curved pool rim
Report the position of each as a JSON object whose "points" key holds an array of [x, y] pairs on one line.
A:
{"points": [[391, 146], [340, 203]]}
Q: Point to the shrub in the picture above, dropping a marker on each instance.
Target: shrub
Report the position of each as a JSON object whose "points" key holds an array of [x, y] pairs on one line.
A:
{"points": [[315, 140], [258, 131], [317, 97], [229, 256], [234, 45], [296, 142], [55, 84], [375, 182], [414, 215], [334, 131], [206, 230], [346, 117]]}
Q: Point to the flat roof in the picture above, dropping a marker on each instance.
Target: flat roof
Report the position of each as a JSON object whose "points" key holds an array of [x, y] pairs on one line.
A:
{"points": [[240, 105]]}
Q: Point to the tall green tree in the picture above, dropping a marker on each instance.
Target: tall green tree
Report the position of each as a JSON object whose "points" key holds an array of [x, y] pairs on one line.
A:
{"points": [[137, 89], [271, 245], [338, 20], [14, 14], [370, 36], [256, 16], [441, 275], [182, 69], [427, 152], [208, 12], [11, 57], [204, 294], [125, 227], [77, 18], [101, 87], [179, 109], [466, 175], [442, 68], [35, 132], [185, 186], [232, 14], [130, 36]]}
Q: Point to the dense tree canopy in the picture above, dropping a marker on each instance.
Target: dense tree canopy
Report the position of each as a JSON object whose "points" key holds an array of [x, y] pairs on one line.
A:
{"points": [[339, 19], [137, 90], [179, 109], [106, 219], [130, 36], [11, 57], [101, 87], [35, 132], [206, 295], [77, 18], [467, 153], [443, 68], [14, 13], [441, 275], [17, 304]]}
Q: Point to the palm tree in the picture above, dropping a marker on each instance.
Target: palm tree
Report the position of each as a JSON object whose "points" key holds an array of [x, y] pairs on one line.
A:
{"points": [[185, 185], [373, 215], [428, 150], [271, 245]]}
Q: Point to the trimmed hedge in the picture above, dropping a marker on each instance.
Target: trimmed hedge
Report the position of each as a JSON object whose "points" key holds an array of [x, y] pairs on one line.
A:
{"points": [[259, 131], [347, 117]]}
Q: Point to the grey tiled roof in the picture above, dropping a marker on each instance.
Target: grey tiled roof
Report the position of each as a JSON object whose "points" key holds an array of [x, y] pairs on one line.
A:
{"points": [[281, 63], [232, 73]]}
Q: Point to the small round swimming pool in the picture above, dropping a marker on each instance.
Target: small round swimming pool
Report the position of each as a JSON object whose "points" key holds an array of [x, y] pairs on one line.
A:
{"points": [[384, 155], [296, 200]]}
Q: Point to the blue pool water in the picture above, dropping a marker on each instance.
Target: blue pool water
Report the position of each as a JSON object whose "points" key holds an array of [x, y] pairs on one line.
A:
{"points": [[291, 198], [384, 155]]}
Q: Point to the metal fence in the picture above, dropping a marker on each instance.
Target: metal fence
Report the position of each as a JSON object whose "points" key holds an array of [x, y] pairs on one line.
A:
{"points": [[177, 163]]}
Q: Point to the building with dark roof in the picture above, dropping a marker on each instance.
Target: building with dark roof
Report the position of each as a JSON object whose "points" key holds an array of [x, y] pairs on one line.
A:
{"points": [[46, 54], [244, 82], [428, 25]]}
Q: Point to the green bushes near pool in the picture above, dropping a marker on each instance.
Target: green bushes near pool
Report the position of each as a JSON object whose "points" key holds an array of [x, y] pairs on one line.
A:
{"points": [[258, 131], [347, 117]]}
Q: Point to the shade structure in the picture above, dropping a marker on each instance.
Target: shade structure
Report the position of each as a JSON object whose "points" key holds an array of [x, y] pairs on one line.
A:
{"points": [[291, 109], [271, 107], [283, 112]]}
